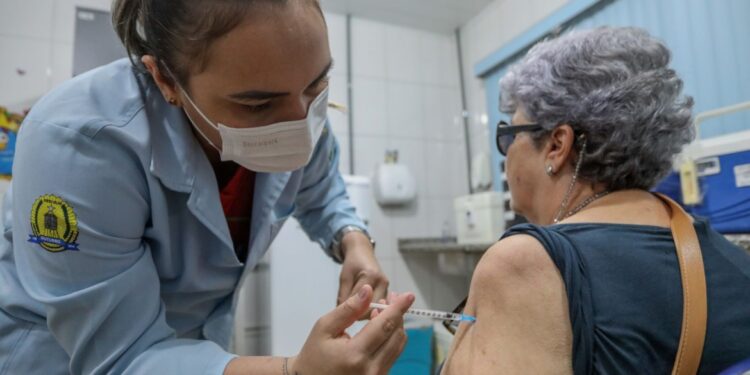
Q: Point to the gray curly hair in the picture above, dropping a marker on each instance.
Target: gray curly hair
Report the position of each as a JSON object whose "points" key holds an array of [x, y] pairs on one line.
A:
{"points": [[613, 85]]}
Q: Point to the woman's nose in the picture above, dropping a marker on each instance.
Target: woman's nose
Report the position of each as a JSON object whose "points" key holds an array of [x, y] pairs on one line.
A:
{"points": [[298, 108]]}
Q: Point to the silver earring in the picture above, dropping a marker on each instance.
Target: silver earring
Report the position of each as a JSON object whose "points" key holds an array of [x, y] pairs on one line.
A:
{"points": [[550, 170]]}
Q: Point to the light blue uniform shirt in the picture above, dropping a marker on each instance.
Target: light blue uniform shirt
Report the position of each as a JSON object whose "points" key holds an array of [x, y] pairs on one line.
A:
{"points": [[116, 256]]}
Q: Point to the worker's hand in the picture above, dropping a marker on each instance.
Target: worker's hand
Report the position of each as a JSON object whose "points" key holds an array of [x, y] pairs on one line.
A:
{"points": [[329, 350], [360, 268]]}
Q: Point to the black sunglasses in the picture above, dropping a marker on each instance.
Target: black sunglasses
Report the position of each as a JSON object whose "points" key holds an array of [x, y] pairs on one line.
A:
{"points": [[506, 134]]}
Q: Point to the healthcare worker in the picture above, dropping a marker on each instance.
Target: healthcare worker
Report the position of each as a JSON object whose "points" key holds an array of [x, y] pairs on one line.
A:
{"points": [[143, 192]]}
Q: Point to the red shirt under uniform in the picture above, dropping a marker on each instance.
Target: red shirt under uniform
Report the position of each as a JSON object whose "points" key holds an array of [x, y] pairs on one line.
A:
{"points": [[237, 201]]}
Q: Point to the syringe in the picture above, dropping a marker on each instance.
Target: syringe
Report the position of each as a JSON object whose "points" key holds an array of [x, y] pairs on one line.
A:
{"points": [[434, 314]]}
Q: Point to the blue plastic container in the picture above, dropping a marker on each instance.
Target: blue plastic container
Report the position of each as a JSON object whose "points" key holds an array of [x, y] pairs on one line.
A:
{"points": [[723, 169], [416, 358], [725, 192], [741, 368]]}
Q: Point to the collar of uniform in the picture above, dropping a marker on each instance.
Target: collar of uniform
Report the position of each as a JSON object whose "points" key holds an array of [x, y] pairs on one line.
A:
{"points": [[268, 189], [175, 152], [178, 161]]}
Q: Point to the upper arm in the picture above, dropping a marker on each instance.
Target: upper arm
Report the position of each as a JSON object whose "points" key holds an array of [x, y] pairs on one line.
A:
{"points": [[90, 193], [519, 299], [100, 289]]}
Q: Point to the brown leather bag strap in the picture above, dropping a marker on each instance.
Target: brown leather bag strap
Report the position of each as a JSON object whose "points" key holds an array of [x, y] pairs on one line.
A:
{"points": [[692, 273]]}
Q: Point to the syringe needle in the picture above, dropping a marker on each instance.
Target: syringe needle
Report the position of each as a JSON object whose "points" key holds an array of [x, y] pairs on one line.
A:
{"points": [[434, 314]]}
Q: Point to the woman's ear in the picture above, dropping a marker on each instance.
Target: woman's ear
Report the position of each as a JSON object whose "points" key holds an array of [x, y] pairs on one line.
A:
{"points": [[167, 86], [560, 147]]}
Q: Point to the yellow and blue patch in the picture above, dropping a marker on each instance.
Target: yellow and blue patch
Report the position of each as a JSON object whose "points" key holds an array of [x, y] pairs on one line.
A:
{"points": [[54, 225]]}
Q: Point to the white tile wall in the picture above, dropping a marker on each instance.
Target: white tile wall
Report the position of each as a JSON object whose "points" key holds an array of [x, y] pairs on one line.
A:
{"points": [[407, 98], [369, 49], [448, 63], [338, 92], [380, 228], [343, 153], [450, 178], [337, 40], [444, 121], [405, 110], [370, 105], [430, 47], [404, 58], [368, 152]]}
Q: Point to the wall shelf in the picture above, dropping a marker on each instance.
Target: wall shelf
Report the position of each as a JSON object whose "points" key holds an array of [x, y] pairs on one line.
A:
{"points": [[450, 245], [439, 245]]}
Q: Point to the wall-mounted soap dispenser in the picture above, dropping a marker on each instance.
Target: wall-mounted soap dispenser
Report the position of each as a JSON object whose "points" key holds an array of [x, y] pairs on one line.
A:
{"points": [[392, 183]]}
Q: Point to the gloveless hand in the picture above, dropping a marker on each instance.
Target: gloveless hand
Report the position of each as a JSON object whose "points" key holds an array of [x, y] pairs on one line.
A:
{"points": [[360, 268], [330, 350]]}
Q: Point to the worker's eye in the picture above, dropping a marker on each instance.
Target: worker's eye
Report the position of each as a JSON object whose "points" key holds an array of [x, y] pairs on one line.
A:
{"points": [[320, 84], [323, 83], [255, 108]]}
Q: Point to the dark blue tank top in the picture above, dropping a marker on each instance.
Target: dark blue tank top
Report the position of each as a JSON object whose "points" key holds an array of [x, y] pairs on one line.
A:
{"points": [[625, 296]]}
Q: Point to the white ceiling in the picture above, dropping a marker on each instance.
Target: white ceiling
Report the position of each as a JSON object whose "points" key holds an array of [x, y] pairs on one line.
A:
{"points": [[435, 15]]}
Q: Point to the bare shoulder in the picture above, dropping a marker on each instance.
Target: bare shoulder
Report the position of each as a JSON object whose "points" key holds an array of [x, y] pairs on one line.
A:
{"points": [[518, 258], [519, 299]]}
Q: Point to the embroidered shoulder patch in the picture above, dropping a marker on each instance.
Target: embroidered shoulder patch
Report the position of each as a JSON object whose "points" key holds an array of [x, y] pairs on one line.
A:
{"points": [[54, 225]]}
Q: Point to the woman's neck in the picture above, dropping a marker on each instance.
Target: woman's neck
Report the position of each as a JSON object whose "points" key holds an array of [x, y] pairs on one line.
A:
{"points": [[561, 201], [634, 207]]}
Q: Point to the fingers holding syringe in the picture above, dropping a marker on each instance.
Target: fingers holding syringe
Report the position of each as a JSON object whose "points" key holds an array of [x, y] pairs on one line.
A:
{"points": [[376, 311], [388, 322]]}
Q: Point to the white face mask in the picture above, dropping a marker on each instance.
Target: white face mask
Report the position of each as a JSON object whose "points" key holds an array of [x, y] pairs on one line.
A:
{"points": [[280, 147]]}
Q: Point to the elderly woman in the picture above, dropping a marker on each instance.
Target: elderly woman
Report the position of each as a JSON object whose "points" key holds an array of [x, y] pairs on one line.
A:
{"points": [[593, 284]]}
